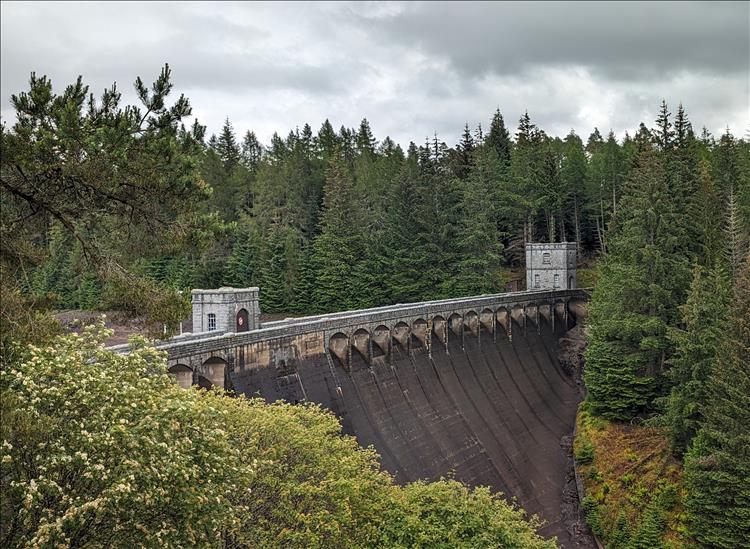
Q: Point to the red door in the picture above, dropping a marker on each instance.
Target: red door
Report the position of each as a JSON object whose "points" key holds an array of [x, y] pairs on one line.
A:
{"points": [[242, 321]]}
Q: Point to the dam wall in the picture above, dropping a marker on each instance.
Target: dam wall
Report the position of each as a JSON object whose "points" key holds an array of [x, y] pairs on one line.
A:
{"points": [[487, 409]]}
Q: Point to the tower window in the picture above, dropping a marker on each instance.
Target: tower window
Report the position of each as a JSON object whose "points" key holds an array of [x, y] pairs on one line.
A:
{"points": [[211, 322], [557, 281], [536, 281], [546, 258]]}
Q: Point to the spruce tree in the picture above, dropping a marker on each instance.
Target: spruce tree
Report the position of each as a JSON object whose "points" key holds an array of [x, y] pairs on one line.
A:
{"points": [[498, 139], [717, 466], [573, 181], [338, 246], [645, 274], [697, 343]]}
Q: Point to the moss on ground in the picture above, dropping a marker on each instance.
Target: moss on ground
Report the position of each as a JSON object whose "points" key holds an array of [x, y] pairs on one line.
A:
{"points": [[633, 484]]}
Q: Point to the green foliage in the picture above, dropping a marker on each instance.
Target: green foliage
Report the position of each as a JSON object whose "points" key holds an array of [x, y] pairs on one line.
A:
{"points": [[717, 466], [102, 449], [90, 188], [585, 452], [640, 282], [697, 345]]}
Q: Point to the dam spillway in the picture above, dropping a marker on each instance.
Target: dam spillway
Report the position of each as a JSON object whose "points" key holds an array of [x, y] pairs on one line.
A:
{"points": [[484, 408]]}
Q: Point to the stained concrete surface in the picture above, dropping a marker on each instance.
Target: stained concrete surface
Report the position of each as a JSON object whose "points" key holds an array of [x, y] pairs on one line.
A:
{"points": [[497, 413]]}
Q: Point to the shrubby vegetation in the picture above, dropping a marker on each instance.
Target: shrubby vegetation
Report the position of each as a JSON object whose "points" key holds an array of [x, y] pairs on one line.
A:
{"points": [[105, 450]]}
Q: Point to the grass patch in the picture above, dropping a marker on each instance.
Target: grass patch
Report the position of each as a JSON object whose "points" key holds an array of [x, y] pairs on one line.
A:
{"points": [[633, 484]]}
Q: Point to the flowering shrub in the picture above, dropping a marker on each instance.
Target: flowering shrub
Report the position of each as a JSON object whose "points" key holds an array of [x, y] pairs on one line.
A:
{"points": [[101, 449]]}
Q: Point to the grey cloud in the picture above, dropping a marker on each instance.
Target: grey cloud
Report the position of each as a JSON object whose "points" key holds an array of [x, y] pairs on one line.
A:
{"points": [[411, 69], [618, 39]]}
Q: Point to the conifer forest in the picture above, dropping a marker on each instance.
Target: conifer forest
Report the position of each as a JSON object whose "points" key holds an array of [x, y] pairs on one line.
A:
{"points": [[119, 208]]}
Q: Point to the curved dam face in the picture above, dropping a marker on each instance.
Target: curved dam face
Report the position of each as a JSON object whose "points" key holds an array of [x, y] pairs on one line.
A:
{"points": [[484, 409]]}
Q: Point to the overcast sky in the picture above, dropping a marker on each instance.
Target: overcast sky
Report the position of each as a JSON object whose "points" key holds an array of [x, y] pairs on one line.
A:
{"points": [[411, 69]]}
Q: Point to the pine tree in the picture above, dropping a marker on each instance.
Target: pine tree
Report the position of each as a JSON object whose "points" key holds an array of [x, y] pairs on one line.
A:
{"points": [[708, 212], [304, 286], [620, 538], [717, 466], [337, 247], [227, 147], [663, 133], [274, 293], [406, 234], [643, 276], [464, 155], [478, 239], [252, 151], [650, 532], [697, 343], [498, 139], [573, 181]]}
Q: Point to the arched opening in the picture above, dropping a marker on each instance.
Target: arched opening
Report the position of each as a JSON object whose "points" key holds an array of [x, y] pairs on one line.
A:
{"points": [[182, 374], [380, 339], [471, 323], [419, 332], [571, 282], [361, 343], [338, 346], [487, 321], [503, 318], [455, 323], [401, 335], [243, 321], [213, 373]]}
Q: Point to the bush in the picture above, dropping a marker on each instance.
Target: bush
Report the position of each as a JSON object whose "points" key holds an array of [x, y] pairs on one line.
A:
{"points": [[584, 453], [105, 450]]}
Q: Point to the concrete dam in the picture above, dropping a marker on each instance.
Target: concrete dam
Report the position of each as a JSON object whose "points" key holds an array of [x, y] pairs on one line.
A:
{"points": [[469, 388], [488, 411]]}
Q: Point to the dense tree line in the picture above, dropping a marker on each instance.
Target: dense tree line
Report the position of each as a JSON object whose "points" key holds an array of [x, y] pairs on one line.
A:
{"points": [[668, 326], [105, 206]]}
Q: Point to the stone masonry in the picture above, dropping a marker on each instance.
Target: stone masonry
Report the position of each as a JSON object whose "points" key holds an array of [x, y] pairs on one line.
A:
{"points": [[551, 266]]}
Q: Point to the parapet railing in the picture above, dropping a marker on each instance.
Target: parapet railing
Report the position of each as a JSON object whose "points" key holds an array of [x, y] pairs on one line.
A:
{"points": [[188, 344]]}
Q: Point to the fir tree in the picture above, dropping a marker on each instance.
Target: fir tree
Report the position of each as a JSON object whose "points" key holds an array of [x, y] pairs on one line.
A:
{"points": [[498, 139], [717, 466], [644, 275], [227, 147], [697, 343], [338, 245]]}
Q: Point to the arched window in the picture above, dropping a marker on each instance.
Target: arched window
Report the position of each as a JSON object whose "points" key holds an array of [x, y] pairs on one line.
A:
{"points": [[557, 281], [536, 281], [211, 322], [546, 258]]}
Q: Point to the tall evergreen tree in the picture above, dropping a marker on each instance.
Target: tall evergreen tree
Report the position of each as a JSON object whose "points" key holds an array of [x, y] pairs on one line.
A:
{"points": [[338, 246], [645, 274], [498, 139], [573, 180], [697, 342], [717, 466]]}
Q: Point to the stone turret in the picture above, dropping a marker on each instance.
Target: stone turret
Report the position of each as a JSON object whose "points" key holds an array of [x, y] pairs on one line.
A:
{"points": [[551, 266], [226, 310]]}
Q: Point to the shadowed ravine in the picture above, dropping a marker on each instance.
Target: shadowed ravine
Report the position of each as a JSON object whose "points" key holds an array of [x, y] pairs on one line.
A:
{"points": [[492, 413]]}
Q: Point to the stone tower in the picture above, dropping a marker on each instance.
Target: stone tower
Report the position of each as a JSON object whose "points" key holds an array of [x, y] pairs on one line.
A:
{"points": [[226, 310], [551, 266]]}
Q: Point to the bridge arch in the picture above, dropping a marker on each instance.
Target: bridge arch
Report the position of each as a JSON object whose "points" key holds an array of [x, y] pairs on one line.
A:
{"points": [[338, 346], [361, 343], [471, 322], [401, 333], [212, 373], [455, 323], [381, 339], [487, 320], [182, 374], [503, 318], [419, 331]]}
